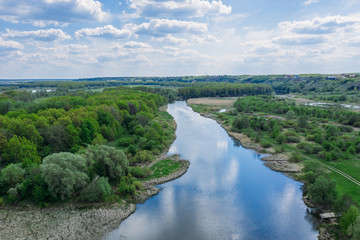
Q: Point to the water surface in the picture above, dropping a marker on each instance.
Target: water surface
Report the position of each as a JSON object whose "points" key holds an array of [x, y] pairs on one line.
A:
{"points": [[227, 193]]}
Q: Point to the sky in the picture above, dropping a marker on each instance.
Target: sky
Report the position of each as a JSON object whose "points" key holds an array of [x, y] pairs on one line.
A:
{"points": [[112, 38]]}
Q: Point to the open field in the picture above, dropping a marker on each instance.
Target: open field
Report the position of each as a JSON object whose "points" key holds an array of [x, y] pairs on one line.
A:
{"points": [[213, 101]]}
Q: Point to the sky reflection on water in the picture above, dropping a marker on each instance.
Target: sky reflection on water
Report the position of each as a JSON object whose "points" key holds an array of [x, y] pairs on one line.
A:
{"points": [[227, 193]]}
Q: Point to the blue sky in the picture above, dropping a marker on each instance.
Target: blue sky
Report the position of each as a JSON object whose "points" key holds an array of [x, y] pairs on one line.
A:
{"points": [[89, 38]]}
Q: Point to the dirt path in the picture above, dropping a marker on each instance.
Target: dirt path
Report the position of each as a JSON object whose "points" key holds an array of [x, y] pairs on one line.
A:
{"points": [[212, 101]]}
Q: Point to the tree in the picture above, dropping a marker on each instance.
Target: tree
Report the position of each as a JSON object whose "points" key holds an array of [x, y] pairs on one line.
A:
{"points": [[349, 218], [21, 150], [241, 122], [354, 229], [57, 137], [13, 174], [302, 121], [290, 115], [323, 191], [64, 173], [107, 161], [97, 190]]}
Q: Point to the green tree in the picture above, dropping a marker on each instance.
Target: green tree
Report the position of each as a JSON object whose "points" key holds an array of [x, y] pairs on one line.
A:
{"points": [[21, 150], [323, 191], [354, 229], [97, 190], [349, 218], [290, 115], [241, 122], [107, 161], [12, 174], [64, 173], [302, 121]]}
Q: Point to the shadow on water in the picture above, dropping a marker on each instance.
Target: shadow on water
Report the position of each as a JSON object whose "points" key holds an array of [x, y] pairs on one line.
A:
{"points": [[227, 192]]}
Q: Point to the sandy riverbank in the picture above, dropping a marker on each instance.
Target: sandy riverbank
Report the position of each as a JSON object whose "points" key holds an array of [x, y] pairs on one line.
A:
{"points": [[73, 222]]}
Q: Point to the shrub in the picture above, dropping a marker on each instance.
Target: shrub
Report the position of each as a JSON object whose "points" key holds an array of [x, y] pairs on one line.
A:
{"points": [[97, 190], [128, 186], [279, 150], [142, 156], [295, 158], [126, 141], [265, 144], [140, 172], [293, 139]]}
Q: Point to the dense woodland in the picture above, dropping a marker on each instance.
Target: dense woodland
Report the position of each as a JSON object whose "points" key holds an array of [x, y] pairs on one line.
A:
{"points": [[222, 90], [76, 146]]}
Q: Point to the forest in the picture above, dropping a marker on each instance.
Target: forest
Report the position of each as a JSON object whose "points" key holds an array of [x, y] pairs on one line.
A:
{"points": [[87, 145], [80, 145]]}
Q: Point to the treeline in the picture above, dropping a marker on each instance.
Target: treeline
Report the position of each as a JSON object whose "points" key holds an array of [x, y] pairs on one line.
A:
{"points": [[222, 90], [270, 104], [48, 151]]}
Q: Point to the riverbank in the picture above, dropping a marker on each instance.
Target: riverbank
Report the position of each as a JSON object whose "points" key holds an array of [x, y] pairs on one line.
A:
{"points": [[73, 221], [276, 162]]}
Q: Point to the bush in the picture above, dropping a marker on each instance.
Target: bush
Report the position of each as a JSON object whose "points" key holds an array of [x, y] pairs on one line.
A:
{"points": [[292, 139], [142, 157], [128, 186], [265, 144], [96, 191], [140, 172], [126, 141], [279, 150], [295, 158]]}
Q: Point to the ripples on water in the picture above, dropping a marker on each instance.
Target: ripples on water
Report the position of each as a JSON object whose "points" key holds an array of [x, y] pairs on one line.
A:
{"points": [[227, 192]]}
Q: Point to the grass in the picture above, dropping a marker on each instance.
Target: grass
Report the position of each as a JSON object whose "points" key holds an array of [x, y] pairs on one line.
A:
{"points": [[163, 168]]}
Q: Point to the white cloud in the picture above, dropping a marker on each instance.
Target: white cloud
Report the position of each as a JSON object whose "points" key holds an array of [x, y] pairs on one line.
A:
{"points": [[171, 40], [45, 12], [308, 2], [179, 8], [163, 27], [9, 46], [107, 31], [323, 25], [299, 40], [136, 45], [40, 35], [354, 42]]}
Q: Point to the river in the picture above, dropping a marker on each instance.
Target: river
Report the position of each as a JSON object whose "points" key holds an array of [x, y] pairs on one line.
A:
{"points": [[227, 193]]}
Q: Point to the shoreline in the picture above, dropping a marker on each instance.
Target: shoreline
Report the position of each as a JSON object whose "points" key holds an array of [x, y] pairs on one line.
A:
{"points": [[78, 221]]}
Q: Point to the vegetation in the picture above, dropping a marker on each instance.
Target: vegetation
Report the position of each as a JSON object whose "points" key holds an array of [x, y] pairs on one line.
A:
{"points": [[163, 168], [77, 147], [222, 90]]}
